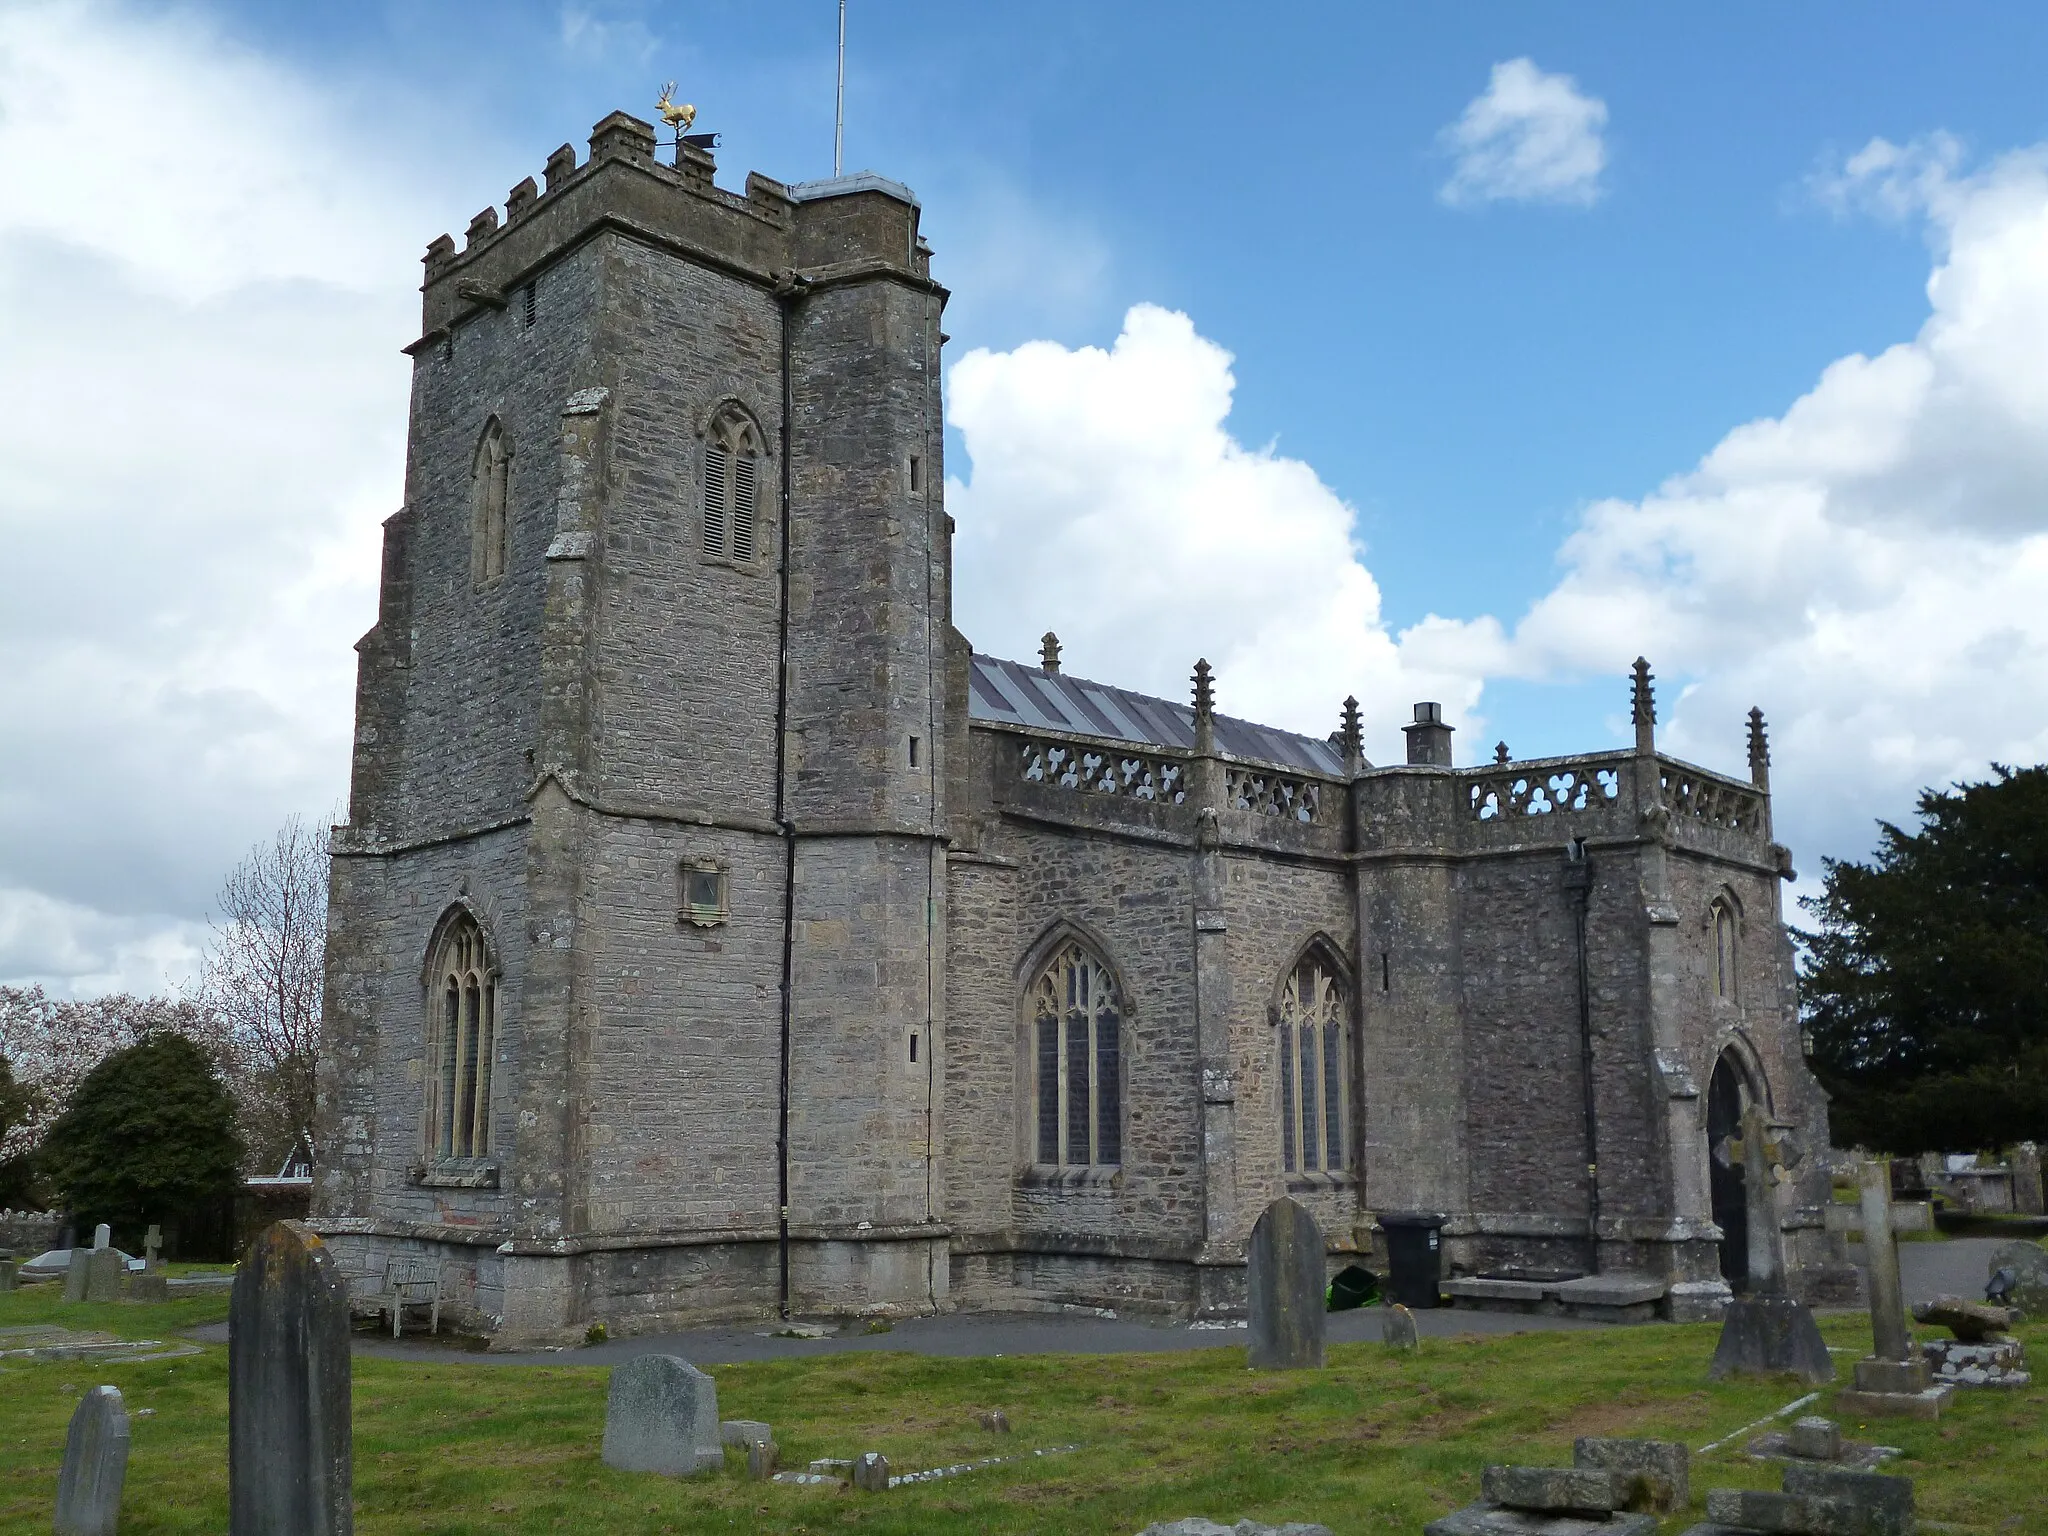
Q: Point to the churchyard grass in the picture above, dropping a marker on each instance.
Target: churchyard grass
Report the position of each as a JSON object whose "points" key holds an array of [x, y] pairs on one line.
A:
{"points": [[1377, 1442]]}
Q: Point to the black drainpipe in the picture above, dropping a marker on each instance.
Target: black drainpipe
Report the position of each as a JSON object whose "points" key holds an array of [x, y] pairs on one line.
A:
{"points": [[787, 296], [1578, 887]]}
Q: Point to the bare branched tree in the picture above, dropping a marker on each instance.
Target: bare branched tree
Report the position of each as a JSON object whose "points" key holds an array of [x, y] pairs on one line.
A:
{"points": [[263, 975]]}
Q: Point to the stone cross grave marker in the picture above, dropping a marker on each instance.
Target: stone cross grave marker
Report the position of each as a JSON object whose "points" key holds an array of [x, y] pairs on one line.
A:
{"points": [[95, 1466], [1761, 1157], [290, 1449], [153, 1246], [1893, 1381], [661, 1415], [1768, 1332], [1284, 1289]]}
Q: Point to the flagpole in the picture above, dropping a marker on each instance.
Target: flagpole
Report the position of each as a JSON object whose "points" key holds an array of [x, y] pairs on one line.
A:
{"points": [[839, 108]]}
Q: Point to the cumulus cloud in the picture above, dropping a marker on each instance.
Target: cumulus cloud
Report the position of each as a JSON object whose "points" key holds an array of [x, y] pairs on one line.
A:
{"points": [[202, 416], [1872, 565], [1529, 137], [1110, 503]]}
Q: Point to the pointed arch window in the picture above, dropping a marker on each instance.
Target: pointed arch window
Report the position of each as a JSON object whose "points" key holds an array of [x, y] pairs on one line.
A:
{"points": [[1076, 1030], [1722, 916], [490, 481], [461, 1042], [732, 488], [1314, 1049]]}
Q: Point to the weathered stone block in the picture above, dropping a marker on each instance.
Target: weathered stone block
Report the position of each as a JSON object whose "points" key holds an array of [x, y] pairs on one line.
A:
{"points": [[761, 1458], [1771, 1336], [1891, 1375], [1815, 1438], [104, 1270], [1658, 1471], [661, 1415], [871, 1472], [743, 1432], [1885, 1503], [1493, 1520], [1971, 1321], [1554, 1490]]}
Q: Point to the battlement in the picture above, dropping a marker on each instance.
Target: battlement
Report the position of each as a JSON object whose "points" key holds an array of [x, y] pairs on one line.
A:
{"points": [[772, 234]]}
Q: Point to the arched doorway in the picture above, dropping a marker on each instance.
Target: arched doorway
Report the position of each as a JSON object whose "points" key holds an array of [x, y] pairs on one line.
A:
{"points": [[1727, 1096]]}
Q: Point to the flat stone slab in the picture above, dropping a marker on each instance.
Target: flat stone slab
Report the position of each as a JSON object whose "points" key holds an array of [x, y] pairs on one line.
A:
{"points": [[743, 1432], [1611, 1290], [1853, 1455], [1492, 1520], [1478, 1288]]}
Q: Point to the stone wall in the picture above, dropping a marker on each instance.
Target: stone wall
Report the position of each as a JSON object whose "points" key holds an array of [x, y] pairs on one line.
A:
{"points": [[27, 1234]]}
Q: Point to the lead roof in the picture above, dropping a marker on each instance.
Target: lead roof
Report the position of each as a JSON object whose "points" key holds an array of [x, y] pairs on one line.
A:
{"points": [[1007, 693]]}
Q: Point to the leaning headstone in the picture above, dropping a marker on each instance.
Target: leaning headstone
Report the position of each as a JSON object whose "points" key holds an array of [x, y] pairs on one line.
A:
{"points": [[661, 1415], [1397, 1331], [1284, 1288], [290, 1452], [103, 1272], [95, 1466], [871, 1472], [74, 1274]]}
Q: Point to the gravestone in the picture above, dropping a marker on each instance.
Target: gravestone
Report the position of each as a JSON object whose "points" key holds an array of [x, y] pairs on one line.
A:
{"points": [[153, 1244], [661, 1415], [2029, 1265], [2026, 1180], [871, 1472], [74, 1274], [761, 1458], [103, 1272], [290, 1451], [1284, 1289], [102, 1237], [1398, 1329], [9, 1274], [1767, 1333], [95, 1466], [1893, 1381]]}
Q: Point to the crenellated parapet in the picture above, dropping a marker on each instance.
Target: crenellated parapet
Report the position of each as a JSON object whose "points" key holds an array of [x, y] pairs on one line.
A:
{"points": [[770, 235]]}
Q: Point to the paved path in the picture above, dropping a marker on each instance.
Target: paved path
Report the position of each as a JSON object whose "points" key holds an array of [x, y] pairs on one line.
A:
{"points": [[1957, 1267]]}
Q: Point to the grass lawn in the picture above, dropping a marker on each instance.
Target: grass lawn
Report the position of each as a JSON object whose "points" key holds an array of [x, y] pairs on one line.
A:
{"points": [[1378, 1442]]}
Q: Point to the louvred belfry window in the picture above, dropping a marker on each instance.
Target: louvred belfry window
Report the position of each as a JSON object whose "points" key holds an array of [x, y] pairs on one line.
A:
{"points": [[1314, 1051], [732, 481], [1076, 1038]]}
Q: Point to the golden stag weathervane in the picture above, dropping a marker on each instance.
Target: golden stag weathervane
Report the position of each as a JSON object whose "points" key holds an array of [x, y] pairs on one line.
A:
{"points": [[677, 115]]}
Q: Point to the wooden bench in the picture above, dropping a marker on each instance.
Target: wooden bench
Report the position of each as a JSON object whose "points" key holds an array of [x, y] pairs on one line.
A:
{"points": [[410, 1283]]}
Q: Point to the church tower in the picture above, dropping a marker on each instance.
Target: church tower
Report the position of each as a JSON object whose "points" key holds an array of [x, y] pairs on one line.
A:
{"points": [[637, 921]]}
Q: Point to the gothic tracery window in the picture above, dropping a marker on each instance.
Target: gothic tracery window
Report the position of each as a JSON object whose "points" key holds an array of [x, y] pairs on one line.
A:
{"points": [[1314, 1049], [732, 483], [1076, 1022], [490, 478], [461, 1041], [1723, 914]]}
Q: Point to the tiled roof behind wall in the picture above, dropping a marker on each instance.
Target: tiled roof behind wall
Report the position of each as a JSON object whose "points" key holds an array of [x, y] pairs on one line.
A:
{"points": [[1011, 694]]}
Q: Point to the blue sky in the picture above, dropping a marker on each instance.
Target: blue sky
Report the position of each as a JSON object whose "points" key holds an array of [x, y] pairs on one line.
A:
{"points": [[1502, 433]]}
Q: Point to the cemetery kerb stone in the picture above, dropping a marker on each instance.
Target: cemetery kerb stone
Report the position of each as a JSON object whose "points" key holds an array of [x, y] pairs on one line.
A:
{"points": [[95, 1466], [290, 1448], [661, 1415], [1284, 1289]]}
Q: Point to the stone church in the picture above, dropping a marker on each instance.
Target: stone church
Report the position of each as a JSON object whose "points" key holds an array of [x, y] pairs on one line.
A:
{"points": [[715, 932]]}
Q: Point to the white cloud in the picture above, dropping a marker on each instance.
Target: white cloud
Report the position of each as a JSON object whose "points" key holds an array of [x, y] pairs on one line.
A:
{"points": [[1872, 565], [1530, 137], [201, 413], [1109, 503]]}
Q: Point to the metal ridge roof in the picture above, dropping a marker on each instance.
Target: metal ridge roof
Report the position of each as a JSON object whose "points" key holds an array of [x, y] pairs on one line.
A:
{"points": [[1009, 693]]}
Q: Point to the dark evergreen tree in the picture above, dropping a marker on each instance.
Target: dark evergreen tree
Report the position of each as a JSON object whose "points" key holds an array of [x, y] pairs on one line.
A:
{"points": [[149, 1136], [1926, 983]]}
